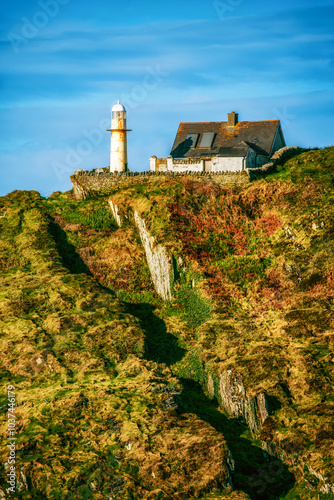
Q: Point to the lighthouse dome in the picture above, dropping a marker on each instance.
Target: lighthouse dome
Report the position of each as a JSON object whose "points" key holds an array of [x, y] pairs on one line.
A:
{"points": [[118, 107]]}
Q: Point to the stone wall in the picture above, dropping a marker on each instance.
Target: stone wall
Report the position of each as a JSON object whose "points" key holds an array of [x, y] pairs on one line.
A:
{"points": [[87, 183], [282, 154], [189, 165]]}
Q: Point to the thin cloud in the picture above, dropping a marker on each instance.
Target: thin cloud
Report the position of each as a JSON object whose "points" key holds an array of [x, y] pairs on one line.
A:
{"points": [[65, 79]]}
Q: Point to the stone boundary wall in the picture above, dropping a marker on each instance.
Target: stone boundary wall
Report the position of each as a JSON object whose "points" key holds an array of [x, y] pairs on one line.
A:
{"points": [[280, 155], [87, 183]]}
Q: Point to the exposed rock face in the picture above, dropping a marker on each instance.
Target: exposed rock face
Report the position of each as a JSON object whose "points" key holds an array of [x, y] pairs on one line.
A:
{"points": [[230, 467], [157, 259], [117, 217], [270, 448], [289, 233], [80, 193], [211, 388], [236, 402], [263, 407], [326, 487]]}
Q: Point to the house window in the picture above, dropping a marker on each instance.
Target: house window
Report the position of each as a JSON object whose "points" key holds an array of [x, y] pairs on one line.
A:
{"points": [[191, 140], [207, 140]]}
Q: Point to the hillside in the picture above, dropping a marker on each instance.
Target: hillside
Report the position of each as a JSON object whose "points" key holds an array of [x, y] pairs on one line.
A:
{"points": [[124, 395]]}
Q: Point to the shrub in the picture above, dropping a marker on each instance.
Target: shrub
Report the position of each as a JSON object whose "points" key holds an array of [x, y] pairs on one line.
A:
{"points": [[197, 310]]}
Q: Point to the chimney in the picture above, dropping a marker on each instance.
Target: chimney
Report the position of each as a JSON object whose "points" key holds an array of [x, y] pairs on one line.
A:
{"points": [[232, 119]]}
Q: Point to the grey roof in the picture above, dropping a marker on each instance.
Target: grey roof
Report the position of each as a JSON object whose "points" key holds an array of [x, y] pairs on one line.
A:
{"points": [[228, 141]]}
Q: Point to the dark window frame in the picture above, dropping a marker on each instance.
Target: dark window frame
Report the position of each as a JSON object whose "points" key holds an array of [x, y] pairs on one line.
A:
{"points": [[195, 142], [213, 135]]}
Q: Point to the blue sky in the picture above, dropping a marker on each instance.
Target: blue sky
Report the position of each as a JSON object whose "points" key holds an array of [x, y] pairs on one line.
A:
{"points": [[65, 63]]}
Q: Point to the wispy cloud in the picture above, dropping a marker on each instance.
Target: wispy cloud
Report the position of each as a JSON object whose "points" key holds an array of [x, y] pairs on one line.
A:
{"points": [[66, 79]]}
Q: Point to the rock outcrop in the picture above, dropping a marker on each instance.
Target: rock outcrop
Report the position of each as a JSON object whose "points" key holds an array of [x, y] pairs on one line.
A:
{"points": [[234, 398], [326, 487], [158, 260], [117, 217]]}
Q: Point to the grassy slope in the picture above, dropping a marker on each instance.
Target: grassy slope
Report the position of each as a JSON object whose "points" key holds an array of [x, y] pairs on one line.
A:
{"points": [[253, 291], [261, 258], [91, 415]]}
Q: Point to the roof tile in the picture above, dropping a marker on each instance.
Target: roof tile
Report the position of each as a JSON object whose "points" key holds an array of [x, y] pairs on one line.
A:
{"points": [[258, 135]]}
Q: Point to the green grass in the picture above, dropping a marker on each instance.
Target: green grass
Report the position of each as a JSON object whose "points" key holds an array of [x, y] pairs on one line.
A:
{"points": [[97, 218], [195, 309], [312, 165], [246, 297]]}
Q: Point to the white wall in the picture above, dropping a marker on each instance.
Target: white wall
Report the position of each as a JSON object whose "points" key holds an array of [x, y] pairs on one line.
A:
{"points": [[227, 164], [219, 164], [153, 163], [187, 167]]}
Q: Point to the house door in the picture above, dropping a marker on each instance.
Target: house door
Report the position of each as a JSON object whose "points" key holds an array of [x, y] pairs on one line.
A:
{"points": [[207, 166]]}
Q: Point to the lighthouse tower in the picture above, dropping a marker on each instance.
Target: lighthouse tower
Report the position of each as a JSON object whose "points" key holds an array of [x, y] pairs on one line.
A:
{"points": [[118, 143]]}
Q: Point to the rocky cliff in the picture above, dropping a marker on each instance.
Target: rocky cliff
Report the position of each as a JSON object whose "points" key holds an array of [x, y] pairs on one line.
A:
{"points": [[173, 318], [158, 260]]}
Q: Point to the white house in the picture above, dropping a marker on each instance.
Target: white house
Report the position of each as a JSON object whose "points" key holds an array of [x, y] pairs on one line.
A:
{"points": [[222, 146]]}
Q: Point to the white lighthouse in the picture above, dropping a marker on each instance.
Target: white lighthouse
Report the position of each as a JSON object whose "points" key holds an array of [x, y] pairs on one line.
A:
{"points": [[118, 143]]}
